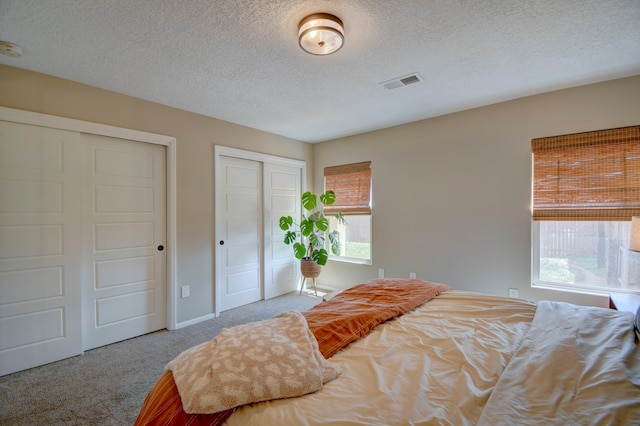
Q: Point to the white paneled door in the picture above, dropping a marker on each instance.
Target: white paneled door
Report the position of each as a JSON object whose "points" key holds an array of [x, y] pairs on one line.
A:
{"points": [[252, 192], [239, 240], [40, 245], [124, 237], [81, 221], [281, 198]]}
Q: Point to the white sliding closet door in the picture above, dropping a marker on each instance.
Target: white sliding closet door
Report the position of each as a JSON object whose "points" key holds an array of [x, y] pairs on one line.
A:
{"points": [[252, 191], [281, 198], [40, 245], [124, 236], [239, 239], [82, 219]]}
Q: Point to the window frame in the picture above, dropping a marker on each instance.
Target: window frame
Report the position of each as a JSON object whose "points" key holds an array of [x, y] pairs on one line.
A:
{"points": [[352, 209], [620, 208]]}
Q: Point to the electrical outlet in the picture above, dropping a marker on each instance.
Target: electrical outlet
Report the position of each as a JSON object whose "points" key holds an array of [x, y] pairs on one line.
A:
{"points": [[380, 273], [412, 275], [185, 291], [513, 292]]}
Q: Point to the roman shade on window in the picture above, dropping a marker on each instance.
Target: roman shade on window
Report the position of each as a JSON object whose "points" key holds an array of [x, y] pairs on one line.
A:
{"points": [[587, 176], [352, 185]]}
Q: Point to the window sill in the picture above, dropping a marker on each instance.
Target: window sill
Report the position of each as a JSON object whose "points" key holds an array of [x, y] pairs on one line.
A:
{"points": [[570, 289], [352, 260]]}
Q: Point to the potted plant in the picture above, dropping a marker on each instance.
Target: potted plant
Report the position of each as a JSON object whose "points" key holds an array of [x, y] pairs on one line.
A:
{"points": [[309, 236]]}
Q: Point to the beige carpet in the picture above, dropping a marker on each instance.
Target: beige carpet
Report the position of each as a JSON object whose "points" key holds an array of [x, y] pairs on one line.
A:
{"points": [[107, 385]]}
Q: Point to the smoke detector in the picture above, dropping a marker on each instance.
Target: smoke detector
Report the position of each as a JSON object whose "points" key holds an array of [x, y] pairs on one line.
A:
{"points": [[10, 49], [402, 81]]}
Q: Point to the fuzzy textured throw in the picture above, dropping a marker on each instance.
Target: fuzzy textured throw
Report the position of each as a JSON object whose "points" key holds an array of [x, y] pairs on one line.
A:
{"points": [[259, 361]]}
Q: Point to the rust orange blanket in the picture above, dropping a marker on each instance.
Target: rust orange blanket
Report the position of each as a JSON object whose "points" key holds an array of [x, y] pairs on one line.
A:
{"points": [[347, 317]]}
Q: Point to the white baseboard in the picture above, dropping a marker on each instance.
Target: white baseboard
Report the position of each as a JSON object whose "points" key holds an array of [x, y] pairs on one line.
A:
{"points": [[327, 289], [195, 321]]}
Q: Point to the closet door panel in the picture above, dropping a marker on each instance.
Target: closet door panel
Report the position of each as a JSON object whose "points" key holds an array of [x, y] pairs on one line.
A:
{"points": [[124, 293], [282, 198], [239, 268], [40, 245]]}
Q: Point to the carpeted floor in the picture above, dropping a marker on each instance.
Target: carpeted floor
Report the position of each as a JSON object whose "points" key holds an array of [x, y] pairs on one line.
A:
{"points": [[107, 385]]}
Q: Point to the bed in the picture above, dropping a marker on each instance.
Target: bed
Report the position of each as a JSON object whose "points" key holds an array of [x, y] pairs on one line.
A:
{"points": [[407, 352]]}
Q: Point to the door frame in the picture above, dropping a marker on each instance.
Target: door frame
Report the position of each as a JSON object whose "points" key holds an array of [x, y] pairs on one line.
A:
{"points": [[220, 150], [52, 121]]}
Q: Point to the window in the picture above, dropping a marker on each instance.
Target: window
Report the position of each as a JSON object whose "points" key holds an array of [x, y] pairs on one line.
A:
{"points": [[586, 188], [352, 185]]}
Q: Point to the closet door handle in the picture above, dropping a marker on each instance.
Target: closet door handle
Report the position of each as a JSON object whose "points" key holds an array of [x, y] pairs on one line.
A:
{"points": [[160, 247], [221, 242]]}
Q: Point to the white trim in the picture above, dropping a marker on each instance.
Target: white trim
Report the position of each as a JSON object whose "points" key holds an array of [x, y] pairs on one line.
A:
{"points": [[194, 321], [352, 260], [220, 150], [172, 233], [45, 120], [51, 121], [257, 156], [543, 285], [535, 252]]}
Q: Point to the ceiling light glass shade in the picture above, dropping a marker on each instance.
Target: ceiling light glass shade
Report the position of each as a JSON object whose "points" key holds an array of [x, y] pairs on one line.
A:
{"points": [[634, 243], [321, 34]]}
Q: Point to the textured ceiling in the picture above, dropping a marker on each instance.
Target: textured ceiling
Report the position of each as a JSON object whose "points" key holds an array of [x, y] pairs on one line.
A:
{"points": [[238, 60]]}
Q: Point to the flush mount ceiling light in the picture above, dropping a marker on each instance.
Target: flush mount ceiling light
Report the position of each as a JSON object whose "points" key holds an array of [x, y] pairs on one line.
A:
{"points": [[320, 34]]}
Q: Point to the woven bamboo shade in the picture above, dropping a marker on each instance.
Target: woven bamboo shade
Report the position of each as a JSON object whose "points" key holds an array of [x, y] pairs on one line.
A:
{"points": [[587, 176], [352, 185]]}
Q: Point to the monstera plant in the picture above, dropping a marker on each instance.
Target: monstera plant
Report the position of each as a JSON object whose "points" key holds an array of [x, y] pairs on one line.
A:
{"points": [[309, 237]]}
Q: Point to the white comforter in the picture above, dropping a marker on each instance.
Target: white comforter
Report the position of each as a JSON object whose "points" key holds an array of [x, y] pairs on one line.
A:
{"points": [[576, 366], [445, 361]]}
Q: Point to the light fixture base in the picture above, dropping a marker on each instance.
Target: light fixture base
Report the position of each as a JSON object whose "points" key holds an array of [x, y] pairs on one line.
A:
{"points": [[321, 34]]}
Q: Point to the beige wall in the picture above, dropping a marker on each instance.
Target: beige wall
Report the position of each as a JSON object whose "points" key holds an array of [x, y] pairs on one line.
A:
{"points": [[451, 195], [196, 136]]}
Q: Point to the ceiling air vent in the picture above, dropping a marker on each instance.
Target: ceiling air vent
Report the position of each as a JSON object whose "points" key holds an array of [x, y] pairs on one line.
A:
{"points": [[402, 81]]}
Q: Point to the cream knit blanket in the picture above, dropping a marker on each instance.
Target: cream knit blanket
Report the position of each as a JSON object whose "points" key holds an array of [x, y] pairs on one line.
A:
{"points": [[259, 361]]}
